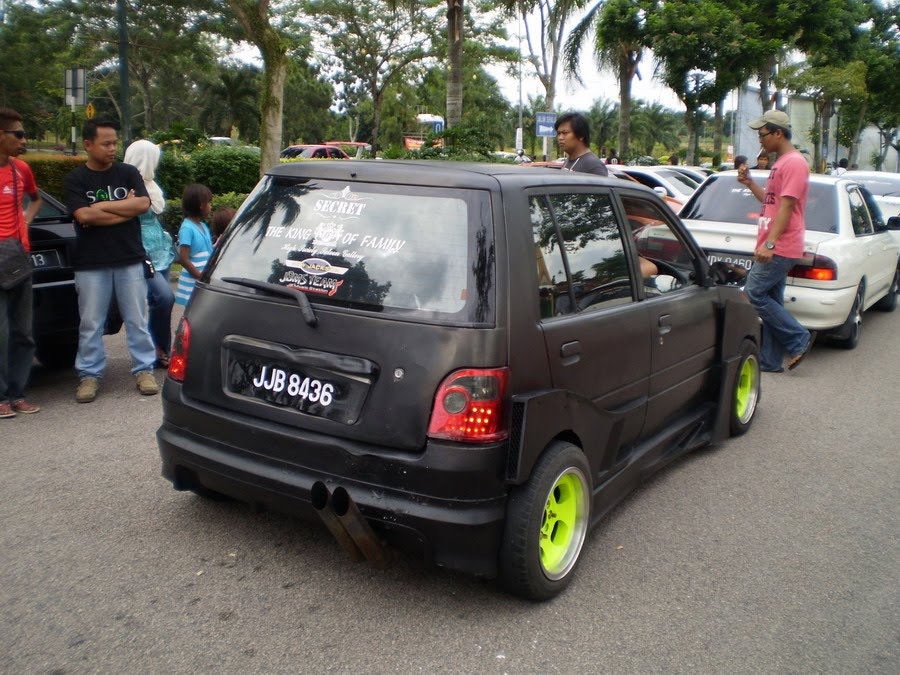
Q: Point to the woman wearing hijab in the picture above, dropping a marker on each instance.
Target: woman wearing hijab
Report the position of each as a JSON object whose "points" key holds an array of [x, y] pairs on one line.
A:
{"points": [[144, 155]]}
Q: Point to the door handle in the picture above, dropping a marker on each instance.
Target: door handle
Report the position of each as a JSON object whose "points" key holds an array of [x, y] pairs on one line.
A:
{"points": [[665, 324], [570, 349]]}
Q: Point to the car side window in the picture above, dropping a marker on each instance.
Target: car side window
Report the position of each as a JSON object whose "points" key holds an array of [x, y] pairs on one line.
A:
{"points": [[666, 262], [587, 269], [859, 214], [874, 211]]}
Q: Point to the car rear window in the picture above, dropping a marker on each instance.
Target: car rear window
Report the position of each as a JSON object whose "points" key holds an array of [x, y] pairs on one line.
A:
{"points": [[414, 251], [724, 199]]}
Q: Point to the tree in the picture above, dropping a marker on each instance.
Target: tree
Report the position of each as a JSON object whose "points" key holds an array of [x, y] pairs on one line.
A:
{"points": [[620, 35], [232, 102], [371, 48], [655, 124], [255, 18]]}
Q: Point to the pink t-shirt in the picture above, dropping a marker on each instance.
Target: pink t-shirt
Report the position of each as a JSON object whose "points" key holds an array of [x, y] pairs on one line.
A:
{"points": [[789, 178]]}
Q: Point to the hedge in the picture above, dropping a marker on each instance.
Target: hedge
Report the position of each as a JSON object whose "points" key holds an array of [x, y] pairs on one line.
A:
{"points": [[50, 170], [222, 170]]}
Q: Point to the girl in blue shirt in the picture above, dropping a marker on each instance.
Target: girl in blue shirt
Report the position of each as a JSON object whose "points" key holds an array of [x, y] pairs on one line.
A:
{"points": [[194, 239]]}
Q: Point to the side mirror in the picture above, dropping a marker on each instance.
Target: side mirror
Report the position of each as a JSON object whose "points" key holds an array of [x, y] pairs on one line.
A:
{"points": [[727, 273], [893, 223], [661, 191]]}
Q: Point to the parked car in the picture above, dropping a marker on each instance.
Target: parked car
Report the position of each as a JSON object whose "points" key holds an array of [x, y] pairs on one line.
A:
{"points": [[885, 188], [850, 260], [461, 360], [56, 318], [675, 183], [697, 174], [315, 151]]}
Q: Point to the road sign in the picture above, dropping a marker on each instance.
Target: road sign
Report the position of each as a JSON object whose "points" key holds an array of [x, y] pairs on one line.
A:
{"points": [[544, 123], [90, 111], [75, 86]]}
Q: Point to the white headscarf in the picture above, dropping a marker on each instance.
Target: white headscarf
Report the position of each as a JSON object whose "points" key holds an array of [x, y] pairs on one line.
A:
{"points": [[144, 155]]}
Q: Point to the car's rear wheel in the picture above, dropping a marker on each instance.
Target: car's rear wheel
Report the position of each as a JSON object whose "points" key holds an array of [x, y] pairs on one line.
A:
{"points": [[889, 302], [547, 521], [847, 336], [746, 389]]}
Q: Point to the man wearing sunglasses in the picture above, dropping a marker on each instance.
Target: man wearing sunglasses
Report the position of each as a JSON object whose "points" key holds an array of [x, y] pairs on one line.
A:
{"points": [[779, 243], [16, 340]]}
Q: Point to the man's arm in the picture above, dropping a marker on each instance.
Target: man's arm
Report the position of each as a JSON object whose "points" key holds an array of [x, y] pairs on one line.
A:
{"points": [[33, 207], [130, 207], [88, 216]]}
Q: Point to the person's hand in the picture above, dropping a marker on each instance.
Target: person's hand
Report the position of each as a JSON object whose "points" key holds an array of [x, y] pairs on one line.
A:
{"points": [[763, 254], [744, 175]]}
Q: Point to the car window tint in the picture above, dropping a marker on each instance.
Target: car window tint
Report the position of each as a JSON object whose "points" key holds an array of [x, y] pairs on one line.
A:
{"points": [[859, 214], [666, 262], [874, 210], [426, 252], [47, 210], [591, 245], [723, 199], [551, 272]]}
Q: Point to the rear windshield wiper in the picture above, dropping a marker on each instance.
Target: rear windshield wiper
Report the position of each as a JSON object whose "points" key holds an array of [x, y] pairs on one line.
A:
{"points": [[305, 307]]}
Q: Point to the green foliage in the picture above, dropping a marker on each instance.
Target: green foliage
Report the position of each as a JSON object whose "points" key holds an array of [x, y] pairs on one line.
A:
{"points": [[174, 173], [226, 169], [179, 137], [50, 171]]}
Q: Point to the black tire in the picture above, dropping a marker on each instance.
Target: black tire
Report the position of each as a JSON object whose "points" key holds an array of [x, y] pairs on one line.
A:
{"points": [[57, 355], [889, 302], [541, 547], [746, 392], [848, 333]]}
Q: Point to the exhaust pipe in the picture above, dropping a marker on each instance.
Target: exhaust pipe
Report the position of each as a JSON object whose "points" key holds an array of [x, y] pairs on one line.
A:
{"points": [[322, 503], [356, 526]]}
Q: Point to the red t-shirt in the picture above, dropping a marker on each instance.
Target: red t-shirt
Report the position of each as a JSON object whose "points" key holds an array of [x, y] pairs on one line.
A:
{"points": [[12, 215], [789, 178]]}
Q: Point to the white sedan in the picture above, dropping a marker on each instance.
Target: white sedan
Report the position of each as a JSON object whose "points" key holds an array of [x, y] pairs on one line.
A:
{"points": [[850, 260], [658, 178], [885, 188]]}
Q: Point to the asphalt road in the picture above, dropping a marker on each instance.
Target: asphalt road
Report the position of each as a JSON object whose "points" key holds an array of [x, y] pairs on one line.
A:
{"points": [[777, 551]]}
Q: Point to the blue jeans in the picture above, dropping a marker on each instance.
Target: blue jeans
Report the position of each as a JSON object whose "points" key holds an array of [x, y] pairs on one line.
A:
{"points": [[16, 341], [160, 299], [781, 331], [95, 288]]}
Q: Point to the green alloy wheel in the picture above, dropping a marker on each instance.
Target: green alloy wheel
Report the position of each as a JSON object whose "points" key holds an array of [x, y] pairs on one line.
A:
{"points": [[547, 522], [746, 389]]}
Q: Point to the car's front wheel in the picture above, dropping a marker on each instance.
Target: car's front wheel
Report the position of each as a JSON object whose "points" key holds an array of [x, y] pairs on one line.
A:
{"points": [[547, 521], [746, 389]]}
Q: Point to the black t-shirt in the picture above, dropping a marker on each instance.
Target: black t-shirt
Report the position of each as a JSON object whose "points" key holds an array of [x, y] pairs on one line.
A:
{"points": [[587, 163], [107, 245]]}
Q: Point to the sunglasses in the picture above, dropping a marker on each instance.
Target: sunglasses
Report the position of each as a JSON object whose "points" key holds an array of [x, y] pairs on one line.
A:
{"points": [[18, 133]]}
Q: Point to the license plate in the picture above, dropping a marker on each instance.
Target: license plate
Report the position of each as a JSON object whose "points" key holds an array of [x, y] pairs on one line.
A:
{"points": [[45, 260], [736, 259], [307, 389]]}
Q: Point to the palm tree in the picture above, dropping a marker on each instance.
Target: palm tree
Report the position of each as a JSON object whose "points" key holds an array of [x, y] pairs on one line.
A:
{"points": [[620, 35], [232, 102], [655, 124], [604, 119]]}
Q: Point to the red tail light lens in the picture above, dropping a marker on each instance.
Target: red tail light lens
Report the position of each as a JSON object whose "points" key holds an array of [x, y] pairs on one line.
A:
{"points": [[816, 268], [180, 346], [469, 406]]}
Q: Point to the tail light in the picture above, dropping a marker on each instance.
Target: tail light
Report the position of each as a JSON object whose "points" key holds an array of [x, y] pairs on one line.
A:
{"points": [[180, 346], [815, 268], [469, 406]]}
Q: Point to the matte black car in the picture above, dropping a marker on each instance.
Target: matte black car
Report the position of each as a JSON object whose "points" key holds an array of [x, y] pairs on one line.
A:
{"points": [[52, 235], [459, 360]]}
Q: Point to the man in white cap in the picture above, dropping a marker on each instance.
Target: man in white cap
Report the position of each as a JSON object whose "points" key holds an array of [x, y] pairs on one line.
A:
{"points": [[779, 243]]}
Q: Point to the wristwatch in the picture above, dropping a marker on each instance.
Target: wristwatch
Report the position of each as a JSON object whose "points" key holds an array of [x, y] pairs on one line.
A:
{"points": [[770, 245]]}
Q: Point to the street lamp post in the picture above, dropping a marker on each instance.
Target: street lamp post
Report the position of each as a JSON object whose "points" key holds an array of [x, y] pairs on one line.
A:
{"points": [[123, 73]]}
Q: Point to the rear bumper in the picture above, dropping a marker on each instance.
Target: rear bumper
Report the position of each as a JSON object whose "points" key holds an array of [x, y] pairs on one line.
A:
{"points": [[819, 309], [447, 503]]}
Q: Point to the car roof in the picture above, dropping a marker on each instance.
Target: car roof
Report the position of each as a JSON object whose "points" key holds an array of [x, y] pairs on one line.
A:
{"points": [[440, 173]]}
